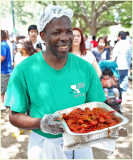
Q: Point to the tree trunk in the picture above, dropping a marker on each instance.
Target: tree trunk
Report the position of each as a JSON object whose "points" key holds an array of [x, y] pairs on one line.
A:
{"points": [[93, 30]]}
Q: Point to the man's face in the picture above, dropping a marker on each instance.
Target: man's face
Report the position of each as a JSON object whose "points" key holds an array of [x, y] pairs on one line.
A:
{"points": [[58, 36], [33, 34]]}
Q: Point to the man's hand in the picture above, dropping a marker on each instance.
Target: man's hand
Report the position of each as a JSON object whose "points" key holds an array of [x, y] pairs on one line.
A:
{"points": [[49, 124]]}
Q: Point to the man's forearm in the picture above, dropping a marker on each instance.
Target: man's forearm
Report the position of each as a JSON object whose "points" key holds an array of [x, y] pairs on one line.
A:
{"points": [[2, 58], [24, 121]]}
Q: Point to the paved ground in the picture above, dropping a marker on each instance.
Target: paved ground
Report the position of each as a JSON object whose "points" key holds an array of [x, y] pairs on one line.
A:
{"points": [[16, 148]]}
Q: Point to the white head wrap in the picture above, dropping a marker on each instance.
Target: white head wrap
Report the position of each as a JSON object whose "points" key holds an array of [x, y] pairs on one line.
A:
{"points": [[51, 12]]}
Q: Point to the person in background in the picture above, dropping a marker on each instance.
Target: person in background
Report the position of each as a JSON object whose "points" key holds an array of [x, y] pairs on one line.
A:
{"points": [[122, 54], [107, 42], [94, 42], [47, 82], [18, 39], [6, 66], [78, 48], [11, 47], [100, 52], [25, 49], [109, 81], [33, 33], [128, 38], [88, 44]]}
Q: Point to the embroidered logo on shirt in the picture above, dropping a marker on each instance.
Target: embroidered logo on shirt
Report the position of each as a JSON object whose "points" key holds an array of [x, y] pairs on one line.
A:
{"points": [[75, 89]]}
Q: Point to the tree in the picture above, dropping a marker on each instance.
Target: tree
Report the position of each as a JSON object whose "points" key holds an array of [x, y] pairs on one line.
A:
{"points": [[26, 13], [125, 14], [93, 16], [22, 15], [103, 14]]}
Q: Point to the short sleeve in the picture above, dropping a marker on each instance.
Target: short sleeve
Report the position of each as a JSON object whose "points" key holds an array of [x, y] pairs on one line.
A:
{"points": [[16, 95], [3, 50]]}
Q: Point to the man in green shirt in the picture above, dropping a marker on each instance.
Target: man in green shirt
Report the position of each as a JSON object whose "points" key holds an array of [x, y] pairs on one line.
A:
{"points": [[50, 81]]}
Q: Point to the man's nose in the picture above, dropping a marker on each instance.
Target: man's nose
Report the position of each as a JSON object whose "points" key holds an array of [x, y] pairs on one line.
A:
{"points": [[64, 37]]}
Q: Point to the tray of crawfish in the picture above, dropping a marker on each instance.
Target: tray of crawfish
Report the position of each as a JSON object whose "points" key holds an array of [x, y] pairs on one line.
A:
{"points": [[95, 119]]}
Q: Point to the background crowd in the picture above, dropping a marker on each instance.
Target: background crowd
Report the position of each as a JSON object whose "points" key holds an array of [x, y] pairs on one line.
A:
{"points": [[92, 49]]}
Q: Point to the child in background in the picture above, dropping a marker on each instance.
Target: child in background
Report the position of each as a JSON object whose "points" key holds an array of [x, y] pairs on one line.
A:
{"points": [[110, 81]]}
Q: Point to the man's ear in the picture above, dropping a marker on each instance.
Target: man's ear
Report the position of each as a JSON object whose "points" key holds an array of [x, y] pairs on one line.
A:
{"points": [[42, 35]]}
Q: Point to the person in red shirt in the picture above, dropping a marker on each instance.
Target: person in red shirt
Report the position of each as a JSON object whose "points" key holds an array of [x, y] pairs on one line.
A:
{"points": [[94, 42]]}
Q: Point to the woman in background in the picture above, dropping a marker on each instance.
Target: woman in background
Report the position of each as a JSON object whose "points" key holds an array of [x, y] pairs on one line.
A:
{"points": [[78, 48], [25, 49], [101, 52]]}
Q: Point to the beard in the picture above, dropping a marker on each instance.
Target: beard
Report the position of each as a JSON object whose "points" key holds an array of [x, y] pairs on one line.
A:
{"points": [[54, 49]]}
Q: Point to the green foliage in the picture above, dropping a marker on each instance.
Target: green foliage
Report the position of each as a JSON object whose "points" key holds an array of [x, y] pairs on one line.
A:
{"points": [[5, 8], [120, 13], [27, 12], [107, 15], [125, 14], [102, 32]]}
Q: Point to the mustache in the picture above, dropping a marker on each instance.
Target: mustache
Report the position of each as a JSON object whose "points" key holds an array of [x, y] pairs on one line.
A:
{"points": [[63, 44], [68, 43]]}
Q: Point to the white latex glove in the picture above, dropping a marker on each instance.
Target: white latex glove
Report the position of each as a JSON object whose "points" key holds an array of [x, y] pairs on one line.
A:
{"points": [[49, 124]]}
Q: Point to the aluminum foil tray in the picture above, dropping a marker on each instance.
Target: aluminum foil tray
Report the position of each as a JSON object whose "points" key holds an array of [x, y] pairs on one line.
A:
{"points": [[94, 134]]}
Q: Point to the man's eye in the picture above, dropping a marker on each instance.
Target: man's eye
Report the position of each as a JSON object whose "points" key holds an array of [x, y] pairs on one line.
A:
{"points": [[69, 32], [56, 33]]}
